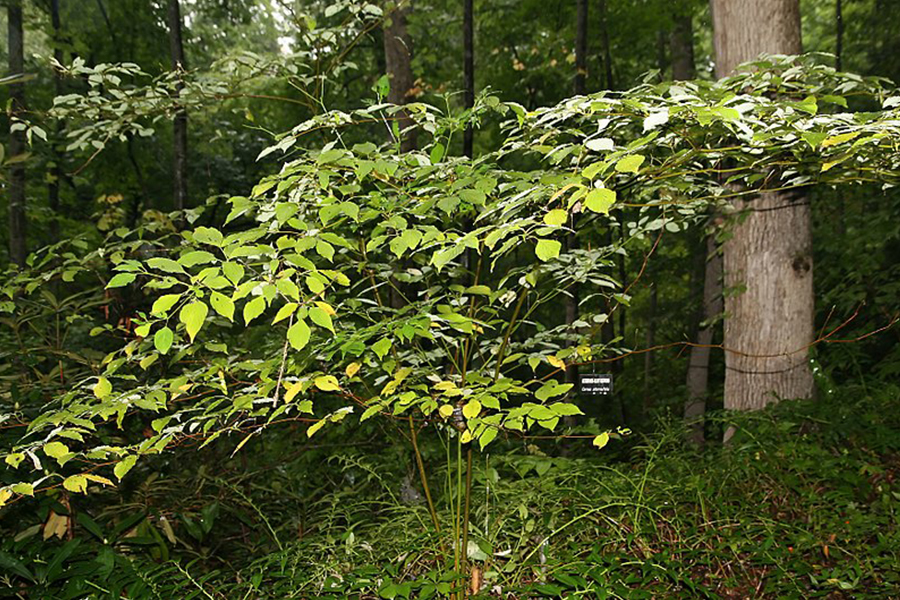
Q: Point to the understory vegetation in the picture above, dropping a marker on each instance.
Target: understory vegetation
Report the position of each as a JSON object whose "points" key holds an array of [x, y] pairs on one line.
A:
{"points": [[804, 503]]}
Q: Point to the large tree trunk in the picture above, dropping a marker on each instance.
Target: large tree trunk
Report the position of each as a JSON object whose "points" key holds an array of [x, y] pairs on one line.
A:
{"points": [[698, 363], [743, 29], [768, 327], [18, 247], [398, 60], [179, 162], [681, 46]]}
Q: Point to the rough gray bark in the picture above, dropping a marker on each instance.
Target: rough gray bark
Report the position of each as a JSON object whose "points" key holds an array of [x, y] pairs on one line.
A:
{"points": [[18, 245], [681, 46], [743, 29], [768, 327], [468, 71], [698, 363], [179, 130], [398, 60]]}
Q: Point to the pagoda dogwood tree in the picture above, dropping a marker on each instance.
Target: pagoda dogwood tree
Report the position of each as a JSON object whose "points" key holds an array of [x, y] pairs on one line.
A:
{"points": [[335, 288]]}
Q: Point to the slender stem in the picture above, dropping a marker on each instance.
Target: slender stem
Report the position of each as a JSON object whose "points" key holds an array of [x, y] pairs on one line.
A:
{"points": [[459, 491], [509, 330], [424, 478], [465, 525]]}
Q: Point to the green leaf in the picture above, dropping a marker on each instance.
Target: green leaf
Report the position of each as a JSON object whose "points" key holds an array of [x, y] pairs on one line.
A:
{"points": [[327, 383], [599, 200], [193, 315], [315, 285], [381, 347], [285, 311], [103, 388], [437, 153], [164, 303], [123, 466], [197, 257], [565, 410], [57, 450], [601, 440], [315, 427], [630, 164], [321, 318], [166, 264], [547, 249], [121, 280], [207, 235], [76, 483], [487, 436], [298, 335], [223, 305], [162, 340], [556, 216], [254, 308], [325, 250], [233, 271]]}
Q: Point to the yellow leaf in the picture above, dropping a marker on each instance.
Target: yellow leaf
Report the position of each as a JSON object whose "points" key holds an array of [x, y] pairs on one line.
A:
{"points": [[293, 390], [601, 440], [446, 410], [559, 364], [5, 495], [466, 437], [99, 479], [326, 307], [471, 409], [352, 369], [327, 383]]}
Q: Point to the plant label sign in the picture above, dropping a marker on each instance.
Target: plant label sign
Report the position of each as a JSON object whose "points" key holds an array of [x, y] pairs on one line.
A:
{"points": [[596, 384]]}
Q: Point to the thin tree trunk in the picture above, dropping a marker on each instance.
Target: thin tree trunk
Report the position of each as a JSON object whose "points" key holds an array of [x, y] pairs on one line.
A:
{"points": [[769, 327], [698, 363], [179, 150], [839, 42], [571, 241], [681, 46], [604, 43], [581, 43], [468, 72], [650, 342], [56, 171], [398, 60], [18, 245]]}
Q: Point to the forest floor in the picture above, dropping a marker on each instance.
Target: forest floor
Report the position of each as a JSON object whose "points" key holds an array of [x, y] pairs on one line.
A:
{"points": [[803, 503]]}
